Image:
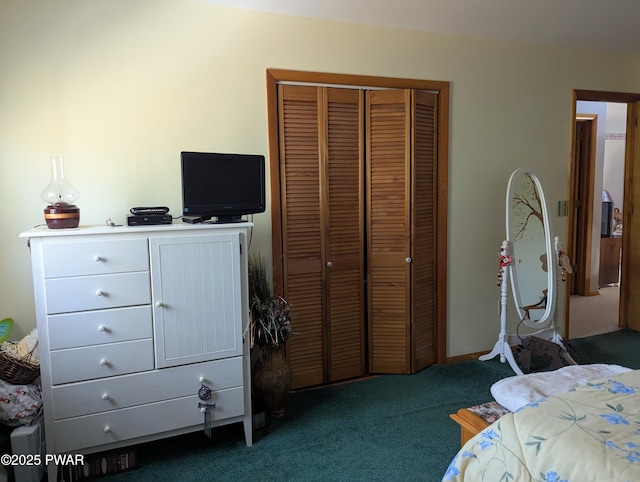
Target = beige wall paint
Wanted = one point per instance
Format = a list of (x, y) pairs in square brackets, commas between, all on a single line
[(120, 87)]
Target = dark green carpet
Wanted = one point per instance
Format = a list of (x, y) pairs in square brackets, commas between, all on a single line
[(620, 347), (393, 427)]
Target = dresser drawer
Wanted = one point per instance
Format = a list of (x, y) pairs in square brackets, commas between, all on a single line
[(97, 327), (154, 418), (76, 399), (83, 293), (79, 258), (77, 364)]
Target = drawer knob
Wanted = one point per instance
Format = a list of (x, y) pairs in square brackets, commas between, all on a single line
[(105, 396), (159, 304), (203, 409), (201, 379), (100, 293), (329, 264), (107, 429), (98, 258), (407, 260), (101, 328), (103, 363)]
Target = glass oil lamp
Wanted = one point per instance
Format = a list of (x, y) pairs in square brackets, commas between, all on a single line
[(60, 196)]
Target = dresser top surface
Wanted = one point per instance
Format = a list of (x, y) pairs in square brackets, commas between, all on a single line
[(44, 231)]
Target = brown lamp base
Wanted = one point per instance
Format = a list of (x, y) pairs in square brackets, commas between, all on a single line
[(62, 215)]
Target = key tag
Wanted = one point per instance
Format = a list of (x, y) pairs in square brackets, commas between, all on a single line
[(204, 394)]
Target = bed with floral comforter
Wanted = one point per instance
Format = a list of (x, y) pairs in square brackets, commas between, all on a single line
[(586, 434)]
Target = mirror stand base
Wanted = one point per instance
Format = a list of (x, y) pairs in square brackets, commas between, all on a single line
[(503, 349)]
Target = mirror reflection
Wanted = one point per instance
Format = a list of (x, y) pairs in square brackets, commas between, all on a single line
[(529, 235)]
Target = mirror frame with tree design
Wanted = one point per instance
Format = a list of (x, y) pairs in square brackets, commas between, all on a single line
[(530, 254), (531, 245)]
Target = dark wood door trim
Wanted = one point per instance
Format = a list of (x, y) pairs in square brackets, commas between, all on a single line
[(629, 283), (631, 158)]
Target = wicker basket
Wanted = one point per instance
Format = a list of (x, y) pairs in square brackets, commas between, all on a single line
[(18, 371)]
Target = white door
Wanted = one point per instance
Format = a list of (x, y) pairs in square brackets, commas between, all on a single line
[(196, 296)]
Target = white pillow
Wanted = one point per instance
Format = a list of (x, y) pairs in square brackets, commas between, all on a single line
[(519, 390)]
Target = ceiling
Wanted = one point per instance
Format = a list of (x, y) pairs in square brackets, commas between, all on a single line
[(610, 25)]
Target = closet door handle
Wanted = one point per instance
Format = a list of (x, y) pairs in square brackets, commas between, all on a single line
[(329, 264), (408, 260)]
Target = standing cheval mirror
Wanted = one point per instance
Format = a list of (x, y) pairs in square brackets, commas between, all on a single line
[(529, 256), (533, 270)]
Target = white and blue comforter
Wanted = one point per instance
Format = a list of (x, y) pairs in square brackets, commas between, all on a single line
[(586, 434)]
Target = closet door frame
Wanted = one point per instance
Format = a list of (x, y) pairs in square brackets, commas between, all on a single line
[(276, 76)]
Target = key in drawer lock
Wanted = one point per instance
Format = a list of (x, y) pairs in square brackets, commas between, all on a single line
[(204, 394)]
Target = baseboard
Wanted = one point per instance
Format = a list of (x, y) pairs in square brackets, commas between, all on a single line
[(467, 357)]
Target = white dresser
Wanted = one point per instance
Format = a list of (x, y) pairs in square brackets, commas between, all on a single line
[(132, 322)]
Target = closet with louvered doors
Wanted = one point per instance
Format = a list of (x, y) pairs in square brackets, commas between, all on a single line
[(358, 177), (322, 212), (401, 235)]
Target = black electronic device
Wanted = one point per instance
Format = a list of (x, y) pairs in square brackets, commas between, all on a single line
[(606, 223), (222, 186), (149, 220), (193, 219), (145, 211)]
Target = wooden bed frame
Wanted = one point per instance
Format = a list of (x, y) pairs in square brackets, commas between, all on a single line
[(470, 424), (475, 419)]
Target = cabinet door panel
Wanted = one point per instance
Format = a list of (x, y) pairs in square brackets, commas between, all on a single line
[(196, 298)]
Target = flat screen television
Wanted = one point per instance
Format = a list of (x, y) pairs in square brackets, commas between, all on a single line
[(606, 226), (221, 186)]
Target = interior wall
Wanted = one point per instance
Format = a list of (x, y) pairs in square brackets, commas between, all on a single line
[(614, 152), (120, 87)]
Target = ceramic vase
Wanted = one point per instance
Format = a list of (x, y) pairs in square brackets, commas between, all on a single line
[(272, 379)]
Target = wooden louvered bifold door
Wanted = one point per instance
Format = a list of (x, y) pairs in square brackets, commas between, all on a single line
[(401, 211), (358, 210), (344, 221), (323, 235), (423, 233), (302, 230), (388, 230)]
